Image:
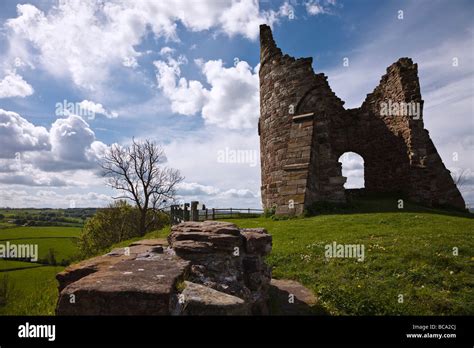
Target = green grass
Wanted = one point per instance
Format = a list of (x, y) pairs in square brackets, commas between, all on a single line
[(39, 232), (163, 233), (34, 285), (10, 264), (34, 291), (406, 253), (61, 239), (65, 248)]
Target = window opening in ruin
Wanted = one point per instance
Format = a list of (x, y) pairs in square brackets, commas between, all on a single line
[(353, 169)]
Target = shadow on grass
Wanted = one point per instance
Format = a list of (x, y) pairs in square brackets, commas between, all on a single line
[(22, 268), (380, 203)]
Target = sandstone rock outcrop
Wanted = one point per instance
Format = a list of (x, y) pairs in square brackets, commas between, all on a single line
[(201, 300), (226, 259), (208, 268)]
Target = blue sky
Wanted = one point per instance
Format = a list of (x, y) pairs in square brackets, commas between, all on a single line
[(184, 73)]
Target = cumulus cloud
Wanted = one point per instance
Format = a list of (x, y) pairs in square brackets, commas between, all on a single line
[(96, 108), (231, 102), (244, 17), (73, 146), (195, 189), (13, 85), (33, 179), (69, 144), (18, 135), (186, 98), (240, 193), (217, 183), (215, 197), (83, 40)]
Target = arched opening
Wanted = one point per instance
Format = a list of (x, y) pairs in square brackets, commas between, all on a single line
[(353, 169)]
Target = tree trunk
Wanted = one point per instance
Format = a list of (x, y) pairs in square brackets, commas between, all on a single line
[(142, 227)]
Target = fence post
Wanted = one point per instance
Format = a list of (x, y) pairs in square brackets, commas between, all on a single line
[(206, 213), (186, 212), (194, 211), (172, 212), (213, 214), (230, 212)]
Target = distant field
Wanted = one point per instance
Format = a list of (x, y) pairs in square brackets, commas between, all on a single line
[(33, 286), (10, 265), (73, 217), (60, 239), (39, 232)]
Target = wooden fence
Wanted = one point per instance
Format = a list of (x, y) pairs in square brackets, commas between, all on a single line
[(192, 212)]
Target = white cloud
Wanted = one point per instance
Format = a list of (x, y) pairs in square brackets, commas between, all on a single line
[(13, 85), (352, 169), (195, 189), (73, 146), (286, 10), (69, 144), (186, 98), (231, 102), (97, 108), (165, 51), (243, 17), (84, 40), (17, 135), (317, 7), (212, 196), (52, 199), (30, 176), (217, 184), (240, 193)]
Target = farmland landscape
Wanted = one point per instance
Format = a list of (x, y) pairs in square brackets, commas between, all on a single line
[(408, 252), (30, 288)]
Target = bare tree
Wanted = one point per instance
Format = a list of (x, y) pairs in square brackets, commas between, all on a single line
[(138, 172), (461, 177)]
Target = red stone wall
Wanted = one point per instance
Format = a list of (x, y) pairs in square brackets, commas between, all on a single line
[(304, 129)]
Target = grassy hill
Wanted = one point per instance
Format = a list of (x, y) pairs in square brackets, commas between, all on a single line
[(408, 252)]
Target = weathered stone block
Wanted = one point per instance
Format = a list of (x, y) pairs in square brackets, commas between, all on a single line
[(221, 266), (130, 287), (257, 241), (198, 299)]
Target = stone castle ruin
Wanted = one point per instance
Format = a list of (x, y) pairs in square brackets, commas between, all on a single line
[(304, 129)]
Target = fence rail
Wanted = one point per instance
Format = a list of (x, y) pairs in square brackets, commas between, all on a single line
[(190, 212)]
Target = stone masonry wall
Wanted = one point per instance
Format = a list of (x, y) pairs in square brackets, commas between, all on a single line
[(304, 129)]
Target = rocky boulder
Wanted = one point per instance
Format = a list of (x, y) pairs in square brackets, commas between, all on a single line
[(226, 259), (203, 268)]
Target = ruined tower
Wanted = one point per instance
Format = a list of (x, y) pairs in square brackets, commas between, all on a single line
[(304, 129)]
